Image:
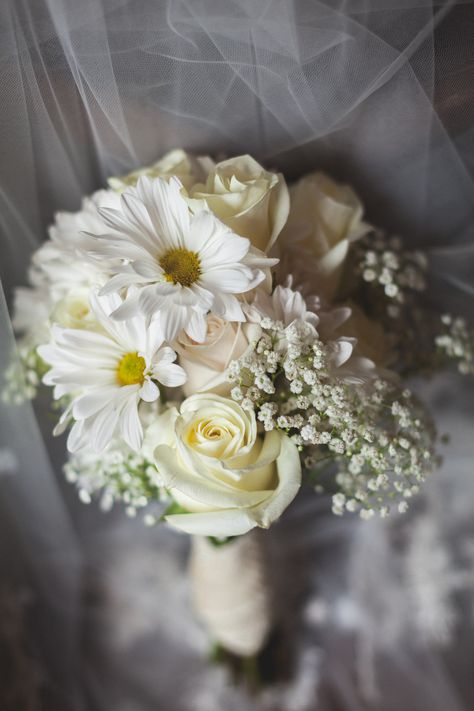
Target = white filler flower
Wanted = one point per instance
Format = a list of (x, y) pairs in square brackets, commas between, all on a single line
[(184, 265), (107, 373)]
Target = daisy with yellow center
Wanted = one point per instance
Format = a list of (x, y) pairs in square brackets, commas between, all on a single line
[(182, 265), (131, 369), (107, 373)]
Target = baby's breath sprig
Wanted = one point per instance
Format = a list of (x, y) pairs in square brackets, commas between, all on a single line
[(396, 457), (400, 274), (456, 343), (120, 475), (382, 264), (23, 376), (381, 439), (389, 288)]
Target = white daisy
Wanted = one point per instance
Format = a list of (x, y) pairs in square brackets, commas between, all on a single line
[(106, 374), (60, 271), (60, 262), (289, 306), (284, 304), (184, 265)]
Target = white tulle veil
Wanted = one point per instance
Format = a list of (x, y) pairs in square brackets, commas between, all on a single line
[(379, 94)]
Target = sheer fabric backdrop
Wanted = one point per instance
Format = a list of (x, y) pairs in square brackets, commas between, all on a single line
[(380, 94)]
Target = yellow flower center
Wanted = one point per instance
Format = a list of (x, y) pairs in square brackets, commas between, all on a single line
[(79, 311), (181, 266), (130, 369)]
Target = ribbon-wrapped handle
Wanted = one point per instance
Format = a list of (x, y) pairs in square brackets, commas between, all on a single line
[(231, 592)]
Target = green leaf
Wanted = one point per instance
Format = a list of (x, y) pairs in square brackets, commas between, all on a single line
[(173, 509), (217, 542)]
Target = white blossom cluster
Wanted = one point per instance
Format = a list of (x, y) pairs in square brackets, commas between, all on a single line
[(381, 261), (379, 439), (457, 343), (119, 474), (22, 377)]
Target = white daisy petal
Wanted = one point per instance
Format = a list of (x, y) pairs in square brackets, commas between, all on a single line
[(120, 281), (205, 297), (227, 307), (76, 439), (63, 422), (155, 338), (90, 403), (130, 426), (196, 328), (342, 351), (148, 270), (137, 214), (172, 213), (152, 299), (149, 392), (163, 204), (170, 374), (122, 223), (257, 260), (215, 241), (234, 280), (104, 426), (165, 355), (173, 320), (84, 378), (259, 276), (112, 246), (127, 309)]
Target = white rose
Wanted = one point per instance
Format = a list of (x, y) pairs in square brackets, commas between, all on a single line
[(215, 466), (177, 162), (251, 201), (325, 217), (74, 311), (206, 363)]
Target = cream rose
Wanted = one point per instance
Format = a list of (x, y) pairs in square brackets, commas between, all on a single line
[(206, 363), (251, 201), (325, 217), (74, 311), (215, 465), (177, 162)]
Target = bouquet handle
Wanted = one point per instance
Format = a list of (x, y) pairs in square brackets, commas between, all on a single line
[(230, 592)]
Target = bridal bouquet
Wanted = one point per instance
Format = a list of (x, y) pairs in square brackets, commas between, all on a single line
[(213, 338)]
